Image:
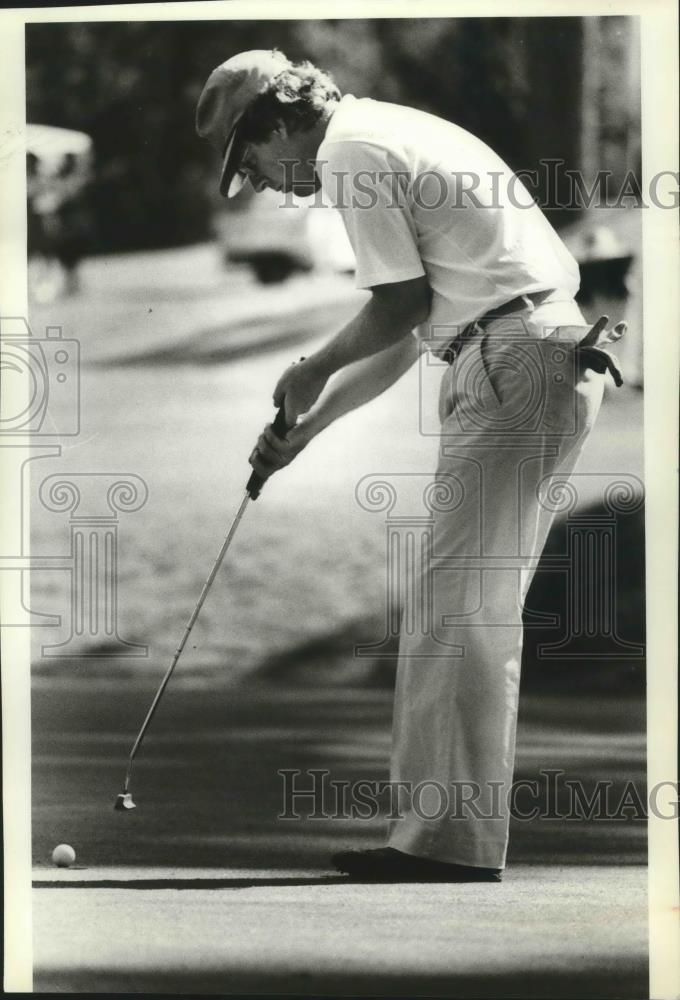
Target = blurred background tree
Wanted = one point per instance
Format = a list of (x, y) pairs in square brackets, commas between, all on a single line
[(133, 86)]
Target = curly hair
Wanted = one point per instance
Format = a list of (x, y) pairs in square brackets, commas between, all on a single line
[(297, 98)]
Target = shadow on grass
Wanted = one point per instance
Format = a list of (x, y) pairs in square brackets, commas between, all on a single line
[(209, 778), (210, 793), (627, 981), (605, 656), (189, 883)]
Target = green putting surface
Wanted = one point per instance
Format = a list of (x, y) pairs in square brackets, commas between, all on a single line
[(202, 889), (545, 931)]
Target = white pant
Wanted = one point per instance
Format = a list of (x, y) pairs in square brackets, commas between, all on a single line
[(515, 409)]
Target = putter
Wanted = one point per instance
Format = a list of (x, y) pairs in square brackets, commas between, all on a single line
[(253, 487)]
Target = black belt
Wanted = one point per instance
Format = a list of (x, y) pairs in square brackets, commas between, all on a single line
[(593, 350), (514, 305)]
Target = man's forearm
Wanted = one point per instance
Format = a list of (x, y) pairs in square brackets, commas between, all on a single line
[(359, 383), (378, 326), (387, 318)]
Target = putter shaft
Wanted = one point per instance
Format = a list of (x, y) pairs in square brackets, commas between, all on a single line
[(185, 636), (253, 488)]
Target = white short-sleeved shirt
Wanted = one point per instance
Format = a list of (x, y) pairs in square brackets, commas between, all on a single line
[(421, 196)]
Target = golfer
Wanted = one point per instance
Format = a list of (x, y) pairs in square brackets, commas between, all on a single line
[(460, 261)]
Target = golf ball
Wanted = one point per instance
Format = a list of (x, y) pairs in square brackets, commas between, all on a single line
[(63, 855)]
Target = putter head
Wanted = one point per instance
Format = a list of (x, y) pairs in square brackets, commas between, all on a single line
[(124, 802)]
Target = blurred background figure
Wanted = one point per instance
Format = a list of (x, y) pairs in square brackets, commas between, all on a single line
[(33, 217), (58, 174), (72, 221)]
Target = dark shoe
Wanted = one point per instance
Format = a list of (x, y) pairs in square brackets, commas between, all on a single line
[(385, 864)]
